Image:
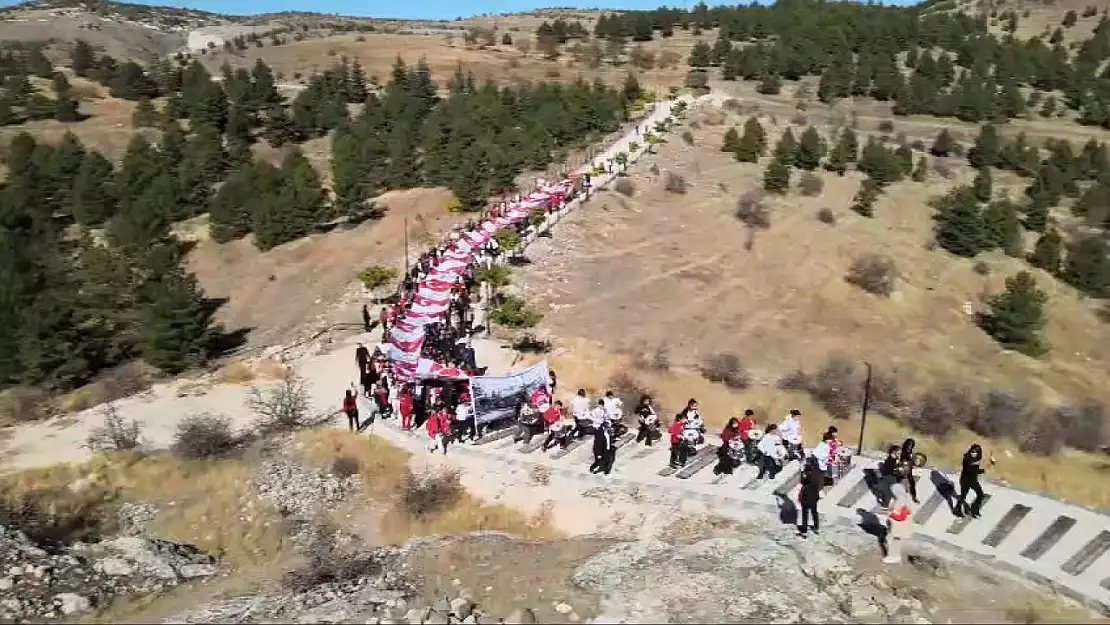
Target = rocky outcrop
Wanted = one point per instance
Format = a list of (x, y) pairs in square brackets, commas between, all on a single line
[(38, 584)]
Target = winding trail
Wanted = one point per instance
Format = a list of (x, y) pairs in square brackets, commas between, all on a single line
[(1048, 541)]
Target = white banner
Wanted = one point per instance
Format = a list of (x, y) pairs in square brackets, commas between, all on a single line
[(493, 398)]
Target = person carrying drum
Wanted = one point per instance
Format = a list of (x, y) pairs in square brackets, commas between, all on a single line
[(648, 421), (773, 453), (791, 432), (731, 451), (906, 465)]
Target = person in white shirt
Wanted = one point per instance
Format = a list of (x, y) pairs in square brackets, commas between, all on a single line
[(580, 406), (694, 422), (791, 431), (614, 406), (770, 447), (599, 415)]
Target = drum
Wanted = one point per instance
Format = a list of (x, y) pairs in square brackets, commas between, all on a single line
[(919, 459), (755, 435), (690, 436)]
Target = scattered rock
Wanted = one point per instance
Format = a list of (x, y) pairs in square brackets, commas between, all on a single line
[(67, 580)]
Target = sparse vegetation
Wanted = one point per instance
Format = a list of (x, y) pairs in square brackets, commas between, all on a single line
[(875, 274), (674, 183), (117, 433), (284, 408), (625, 187), (514, 312), (203, 436), (726, 369)]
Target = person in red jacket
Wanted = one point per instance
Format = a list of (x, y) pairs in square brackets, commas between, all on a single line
[(746, 425), (404, 403), (438, 427), (678, 447), (729, 453)]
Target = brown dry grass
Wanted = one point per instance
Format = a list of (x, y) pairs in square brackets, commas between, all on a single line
[(274, 293), (210, 504), (297, 60), (383, 469)]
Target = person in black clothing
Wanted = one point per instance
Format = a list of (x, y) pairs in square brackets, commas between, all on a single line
[(362, 358), (605, 449), (552, 382), (648, 421), (905, 468), (888, 473), (813, 479), (365, 318), (969, 481)]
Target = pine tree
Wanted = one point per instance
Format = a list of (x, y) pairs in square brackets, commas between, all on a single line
[(1047, 253), (981, 186), (770, 85), (786, 149), (985, 152), (701, 55), (1036, 214), (176, 329), (83, 58), (145, 115), (297, 208), (863, 202), (776, 178), (731, 141), (1002, 228), (904, 157), (943, 144), (810, 151), (93, 197), (1017, 316), (960, 223), (1088, 266), (753, 143)]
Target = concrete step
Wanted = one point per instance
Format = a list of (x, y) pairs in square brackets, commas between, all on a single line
[(700, 463), (1039, 538)]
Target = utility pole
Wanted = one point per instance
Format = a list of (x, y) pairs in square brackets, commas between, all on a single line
[(863, 411), (406, 245)]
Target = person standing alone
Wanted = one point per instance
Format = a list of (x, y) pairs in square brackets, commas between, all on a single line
[(813, 480), (350, 408)]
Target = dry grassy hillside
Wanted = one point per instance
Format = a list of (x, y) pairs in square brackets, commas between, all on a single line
[(664, 276)]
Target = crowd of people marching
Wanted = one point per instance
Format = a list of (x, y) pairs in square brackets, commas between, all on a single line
[(443, 409)]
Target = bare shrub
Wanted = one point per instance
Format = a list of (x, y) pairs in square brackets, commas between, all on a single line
[(958, 150), (629, 389), (116, 434), (1001, 413), (284, 408), (811, 184), (674, 183), (942, 410), (22, 404), (625, 187), (1083, 426), (725, 368), (885, 393), (873, 273), (981, 268), (657, 359), (942, 169), (826, 216), (734, 105), (330, 560), (688, 137), (714, 117), (837, 387), (1043, 436), (752, 211), (345, 466), (424, 495), (796, 380), (204, 436), (886, 126), (654, 169)]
